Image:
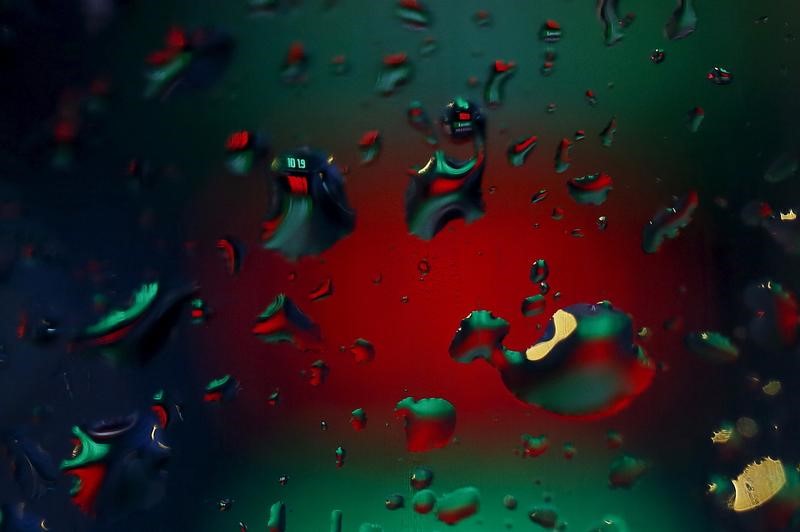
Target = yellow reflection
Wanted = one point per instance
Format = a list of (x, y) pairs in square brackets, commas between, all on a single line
[(721, 436), (773, 387), (564, 324), (757, 484)]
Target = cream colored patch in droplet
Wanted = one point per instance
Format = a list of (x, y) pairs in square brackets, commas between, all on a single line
[(757, 484), (564, 324), (721, 435)]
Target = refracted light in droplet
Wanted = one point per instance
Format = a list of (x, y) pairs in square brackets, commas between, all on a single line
[(533, 305), (562, 158), (317, 374), (757, 484), (394, 501), (457, 505), (694, 118), (590, 189), (657, 56), (712, 346), (667, 223), (569, 450), (418, 119), (510, 502), (539, 271), (723, 435), (550, 31), (370, 146), (396, 71), (423, 501), (429, 422), (362, 351), (358, 419), (719, 76), (625, 471), (585, 347), (546, 516), (499, 73), (520, 149), (308, 209), (607, 135), (283, 321), (533, 446), (612, 29), (541, 195), (323, 290), (683, 21), (421, 477), (414, 14), (772, 388)]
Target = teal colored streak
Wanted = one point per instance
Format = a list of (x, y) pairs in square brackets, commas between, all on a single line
[(142, 300), (90, 451)]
